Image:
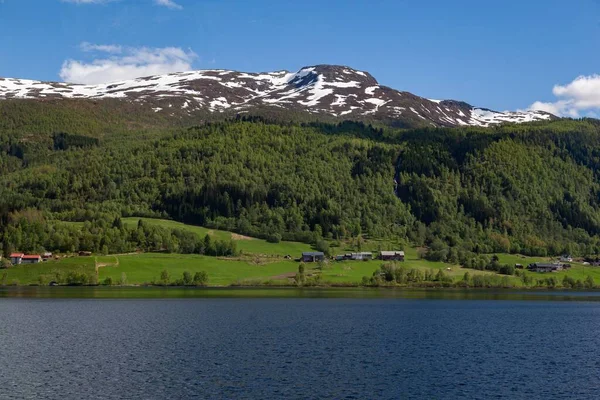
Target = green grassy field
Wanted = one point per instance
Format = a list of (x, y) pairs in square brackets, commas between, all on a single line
[(260, 262), (577, 271), (26, 274), (145, 268), (244, 244)]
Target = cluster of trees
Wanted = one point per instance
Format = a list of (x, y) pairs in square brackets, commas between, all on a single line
[(198, 279), (30, 231), (278, 182), (531, 189), (81, 277), (440, 251), (304, 279), (392, 273)]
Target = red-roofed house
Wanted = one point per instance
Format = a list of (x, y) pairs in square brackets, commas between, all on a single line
[(16, 258), (31, 259)]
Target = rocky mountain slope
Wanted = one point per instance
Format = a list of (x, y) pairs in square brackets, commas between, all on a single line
[(327, 90)]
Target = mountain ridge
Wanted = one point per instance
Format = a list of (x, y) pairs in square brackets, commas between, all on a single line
[(320, 90)]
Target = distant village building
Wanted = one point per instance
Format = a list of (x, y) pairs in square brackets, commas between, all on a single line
[(16, 258), (545, 267), (31, 259), (566, 258), (313, 256), (362, 256), (46, 256), (391, 255)]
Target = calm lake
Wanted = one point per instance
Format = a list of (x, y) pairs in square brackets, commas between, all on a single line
[(290, 344)]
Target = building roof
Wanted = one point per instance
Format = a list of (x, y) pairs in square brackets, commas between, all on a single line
[(545, 265), (392, 253), (313, 253), (32, 257), (16, 255)]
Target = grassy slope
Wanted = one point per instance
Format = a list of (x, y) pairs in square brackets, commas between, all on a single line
[(30, 273), (147, 267), (253, 246), (577, 271)]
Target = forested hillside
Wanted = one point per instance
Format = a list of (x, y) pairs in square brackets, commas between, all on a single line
[(529, 188)]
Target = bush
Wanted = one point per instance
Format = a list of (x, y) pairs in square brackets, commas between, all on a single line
[(200, 278), (187, 278), (76, 278), (321, 245), (507, 269), (274, 238)]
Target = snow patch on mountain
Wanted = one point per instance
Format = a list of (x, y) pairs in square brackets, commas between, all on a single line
[(323, 89)]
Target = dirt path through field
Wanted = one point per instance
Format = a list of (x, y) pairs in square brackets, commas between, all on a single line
[(236, 236), (287, 275), (101, 265)]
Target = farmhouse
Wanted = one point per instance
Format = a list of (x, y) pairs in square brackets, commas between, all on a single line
[(31, 259), (545, 267), (16, 258), (313, 256), (391, 255)]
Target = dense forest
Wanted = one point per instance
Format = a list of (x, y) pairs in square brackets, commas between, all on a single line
[(531, 189)]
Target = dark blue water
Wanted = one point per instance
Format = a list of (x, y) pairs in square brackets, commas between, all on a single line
[(298, 349)]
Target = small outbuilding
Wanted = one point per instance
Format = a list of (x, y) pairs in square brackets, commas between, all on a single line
[(362, 256), (313, 256), (32, 259), (16, 258), (391, 255)]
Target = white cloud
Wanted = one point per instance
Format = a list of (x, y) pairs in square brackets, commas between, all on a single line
[(580, 97), (130, 63), (106, 48), (169, 4)]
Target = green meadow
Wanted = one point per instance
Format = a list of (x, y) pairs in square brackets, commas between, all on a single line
[(260, 262), (578, 270), (244, 244), (27, 274)]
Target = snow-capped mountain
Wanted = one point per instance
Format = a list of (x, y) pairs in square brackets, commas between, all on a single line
[(333, 91)]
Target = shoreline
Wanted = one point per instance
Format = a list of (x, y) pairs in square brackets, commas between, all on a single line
[(289, 292)]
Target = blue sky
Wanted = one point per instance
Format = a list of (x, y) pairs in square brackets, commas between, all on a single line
[(501, 55)]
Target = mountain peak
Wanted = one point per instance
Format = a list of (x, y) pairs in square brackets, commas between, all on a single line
[(330, 90)]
